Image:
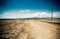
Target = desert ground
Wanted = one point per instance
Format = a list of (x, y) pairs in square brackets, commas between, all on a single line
[(29, 29)]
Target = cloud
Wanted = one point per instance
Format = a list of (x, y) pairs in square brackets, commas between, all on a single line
[(27, 10), (28, 14)]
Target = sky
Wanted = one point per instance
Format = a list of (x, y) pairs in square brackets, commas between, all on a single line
[(28, 8)]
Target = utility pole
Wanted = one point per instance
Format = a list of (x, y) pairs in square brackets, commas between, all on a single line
[(39, 15), (51, 12)]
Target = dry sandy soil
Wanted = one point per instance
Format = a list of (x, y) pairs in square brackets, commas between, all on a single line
[(28, 29)]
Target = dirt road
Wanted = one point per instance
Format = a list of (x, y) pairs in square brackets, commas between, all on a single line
[(32, 29), (41, 30)]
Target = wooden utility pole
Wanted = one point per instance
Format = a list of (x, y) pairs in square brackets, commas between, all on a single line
[(51, 12), (39, 15)]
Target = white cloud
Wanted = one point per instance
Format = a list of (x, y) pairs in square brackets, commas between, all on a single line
[(27, 10), (45, 14), (26, 14), (24, 10)]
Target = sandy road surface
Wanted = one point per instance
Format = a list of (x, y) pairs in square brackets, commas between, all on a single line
[(41, 30), (32, 29)]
